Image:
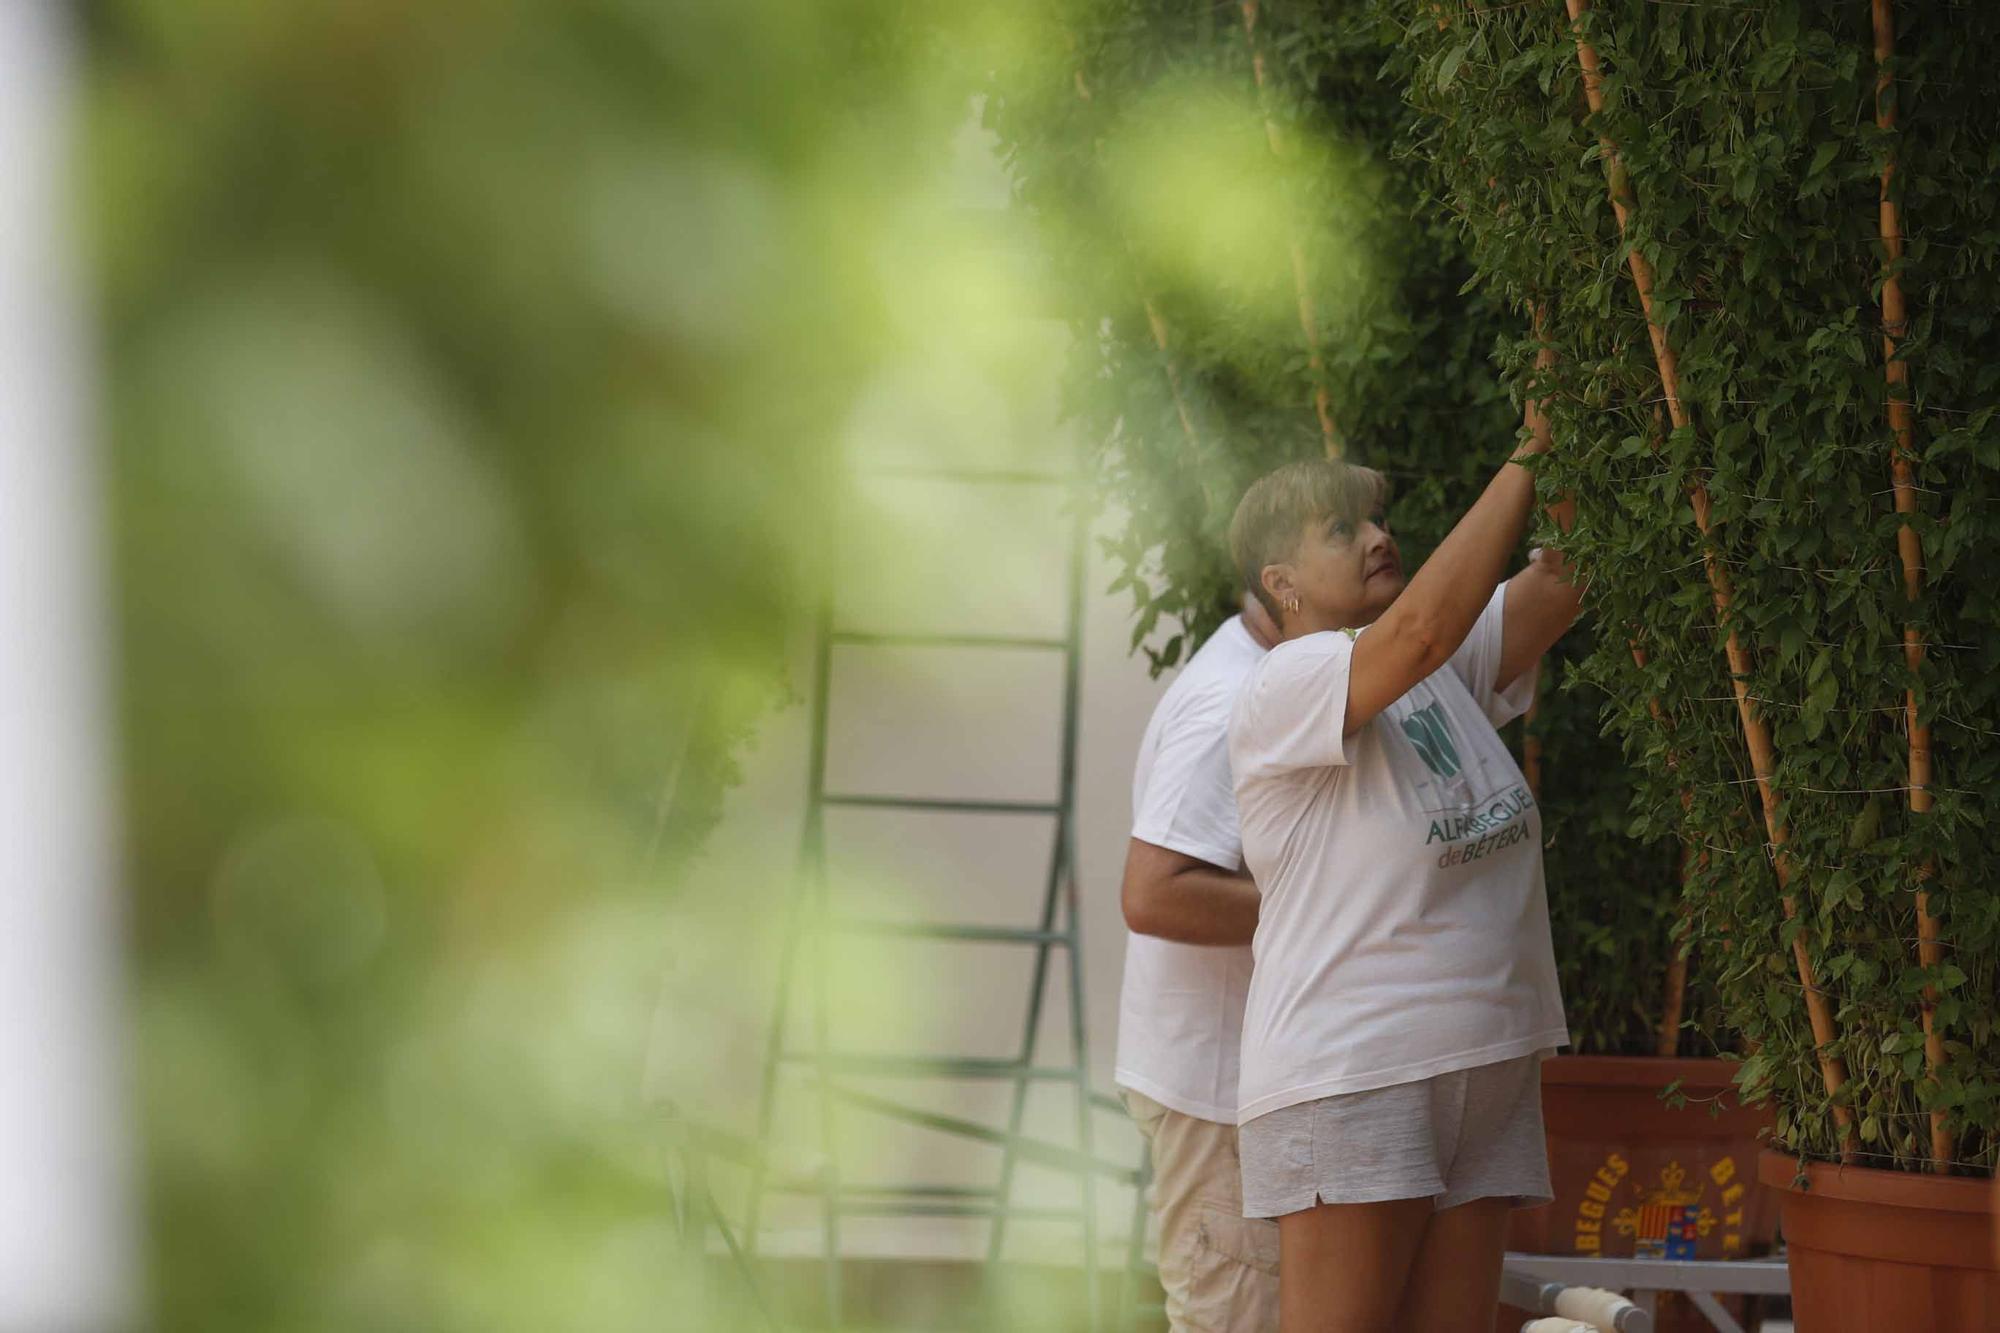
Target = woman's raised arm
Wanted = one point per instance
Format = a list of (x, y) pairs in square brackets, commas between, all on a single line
[(1425, 625)]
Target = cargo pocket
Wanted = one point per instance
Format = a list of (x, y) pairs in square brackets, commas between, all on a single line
[(1232, 1282)]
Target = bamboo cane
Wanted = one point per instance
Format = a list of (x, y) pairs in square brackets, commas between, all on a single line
[(1756, 732), (1322, 400), (1564, 511), (1531, 745), (1896, 372), (1156, 323), (1674, 1000)]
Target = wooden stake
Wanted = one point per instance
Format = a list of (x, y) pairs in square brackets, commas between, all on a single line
[(1301, 284), (1756, 732), (1902, 469)]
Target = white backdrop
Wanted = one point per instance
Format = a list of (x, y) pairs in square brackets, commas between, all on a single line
[(929, 556)]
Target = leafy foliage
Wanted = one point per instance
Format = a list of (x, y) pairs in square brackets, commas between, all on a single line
[(1748, 133), (1408, 345)]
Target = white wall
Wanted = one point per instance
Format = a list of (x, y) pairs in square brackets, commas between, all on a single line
[(977, 723)]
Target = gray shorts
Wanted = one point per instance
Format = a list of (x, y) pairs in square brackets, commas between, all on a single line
[(1473, 1134)]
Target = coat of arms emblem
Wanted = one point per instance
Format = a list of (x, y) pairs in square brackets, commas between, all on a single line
[(1669, 1220)]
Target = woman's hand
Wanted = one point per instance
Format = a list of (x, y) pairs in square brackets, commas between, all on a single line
[(1425, 625), (1543, 601)]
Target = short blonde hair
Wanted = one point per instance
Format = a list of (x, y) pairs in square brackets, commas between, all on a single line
[(1275, 512)]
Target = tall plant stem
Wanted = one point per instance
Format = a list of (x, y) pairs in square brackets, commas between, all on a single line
[(1673, 996), (1756, 732), (1563, 511), (1902, 468), (1322, 400), (1673, 1001), (1156, 323), (1531, 744)]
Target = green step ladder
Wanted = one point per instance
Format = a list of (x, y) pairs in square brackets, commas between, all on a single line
[(826, 1073)]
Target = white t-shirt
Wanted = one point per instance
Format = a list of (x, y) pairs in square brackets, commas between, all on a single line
[(1403, 930), (1180, 1014)]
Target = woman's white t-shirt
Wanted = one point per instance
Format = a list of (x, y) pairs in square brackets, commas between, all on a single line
[(1403, 930)]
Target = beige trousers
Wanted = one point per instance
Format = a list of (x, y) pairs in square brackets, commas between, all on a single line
[(1219, 1268)]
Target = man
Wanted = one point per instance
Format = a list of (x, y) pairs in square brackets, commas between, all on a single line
[(1192, 910)]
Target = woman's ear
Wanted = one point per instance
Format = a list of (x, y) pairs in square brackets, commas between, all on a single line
[(1277, 581)]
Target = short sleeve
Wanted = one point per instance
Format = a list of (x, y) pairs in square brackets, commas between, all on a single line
[(1291, 714), (1189, 802), (1477, 664)]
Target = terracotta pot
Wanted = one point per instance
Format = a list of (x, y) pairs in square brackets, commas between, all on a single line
[(1873, 1249), (1634, 1176)]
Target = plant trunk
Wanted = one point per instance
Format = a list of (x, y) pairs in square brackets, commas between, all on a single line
[(1895, 322), (1301, 286), (1564, 511), (1156, 323), (1531, 745), (1673, 1000), (1756, 733)]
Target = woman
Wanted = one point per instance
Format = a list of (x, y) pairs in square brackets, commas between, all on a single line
[(1404, 985)]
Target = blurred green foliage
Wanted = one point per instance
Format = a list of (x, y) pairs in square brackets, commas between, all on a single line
[(476, 375)]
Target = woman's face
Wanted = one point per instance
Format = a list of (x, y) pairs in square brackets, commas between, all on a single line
[(1343, 576)]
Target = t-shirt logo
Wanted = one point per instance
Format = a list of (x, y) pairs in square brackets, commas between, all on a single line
[(1430, 737)]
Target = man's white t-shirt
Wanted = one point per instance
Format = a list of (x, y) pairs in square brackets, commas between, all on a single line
[(1180, 1013), (1403, 930)]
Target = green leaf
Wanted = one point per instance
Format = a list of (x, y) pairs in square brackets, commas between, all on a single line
[(1448, 67), (1866, 826)]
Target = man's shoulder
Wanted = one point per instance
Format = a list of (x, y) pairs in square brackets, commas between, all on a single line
[(1212, 677)]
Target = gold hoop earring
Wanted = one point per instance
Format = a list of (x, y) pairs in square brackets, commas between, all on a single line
[(1292, 605)]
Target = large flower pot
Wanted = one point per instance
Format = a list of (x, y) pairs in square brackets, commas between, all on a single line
[(1634, 1176), (1876, 1249)]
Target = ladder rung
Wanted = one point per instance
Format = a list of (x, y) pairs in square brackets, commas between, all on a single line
[(867, 1209), (963, 934), (1029, 1149), (930, 1066), (922, 1191), (939, 803), (860, 639)]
